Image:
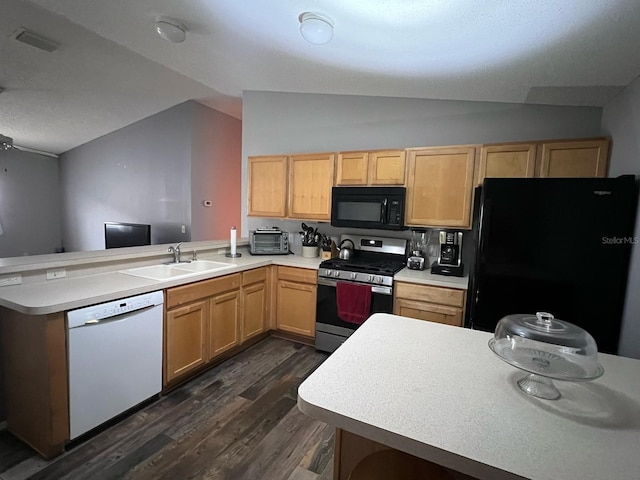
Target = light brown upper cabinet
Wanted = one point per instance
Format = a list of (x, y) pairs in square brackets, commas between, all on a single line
[(507, 161), (440, 186), (267, 186), (586, 158), (384, 167), (310, 182)]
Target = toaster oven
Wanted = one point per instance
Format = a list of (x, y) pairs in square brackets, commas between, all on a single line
[(268, 241)]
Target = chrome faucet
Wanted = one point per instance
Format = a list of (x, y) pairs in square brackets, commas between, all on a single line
[(176, 252)]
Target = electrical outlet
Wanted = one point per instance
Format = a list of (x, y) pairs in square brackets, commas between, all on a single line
[(10, 280), (183, 228), (58, 273)]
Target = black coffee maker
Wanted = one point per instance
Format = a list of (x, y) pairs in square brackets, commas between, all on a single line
[(449, 261)]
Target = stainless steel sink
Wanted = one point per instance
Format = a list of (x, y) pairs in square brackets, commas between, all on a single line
[(177, 270)]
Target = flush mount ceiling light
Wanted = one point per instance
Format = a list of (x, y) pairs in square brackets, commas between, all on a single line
[(316, 28), (171, 30)]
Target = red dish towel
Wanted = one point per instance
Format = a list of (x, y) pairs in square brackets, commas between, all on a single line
[(354, 302)]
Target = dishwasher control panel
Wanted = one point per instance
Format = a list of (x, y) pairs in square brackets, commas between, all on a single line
[(96, 313)]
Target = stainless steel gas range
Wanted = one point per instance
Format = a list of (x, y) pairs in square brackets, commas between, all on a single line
[(349, 291)]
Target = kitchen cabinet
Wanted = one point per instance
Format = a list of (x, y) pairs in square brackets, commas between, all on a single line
[(384, 167), (296, 301), (425, 302), (224, 323), (310, 183), (254, 302), (507, 161), (440, 186), (202, 322), (267, 186), (584, 158), (185, 329)]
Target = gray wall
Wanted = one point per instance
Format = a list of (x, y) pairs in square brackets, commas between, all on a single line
[(140, 174), (29, 204), (216, 172), (274, 123), (621, 120)]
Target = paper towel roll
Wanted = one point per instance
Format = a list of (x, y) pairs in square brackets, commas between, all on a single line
[(233, 240)]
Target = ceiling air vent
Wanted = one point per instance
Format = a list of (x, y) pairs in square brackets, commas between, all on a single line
[(24, 36)]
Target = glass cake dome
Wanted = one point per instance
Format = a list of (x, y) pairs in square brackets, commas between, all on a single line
[(547, 348)]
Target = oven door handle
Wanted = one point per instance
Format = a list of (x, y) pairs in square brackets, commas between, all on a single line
[(383, 290)]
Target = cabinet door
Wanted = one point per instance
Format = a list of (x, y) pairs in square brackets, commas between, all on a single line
[(507, 161), (185, 339), (352, 168), (224, 322), (428, 311), (296, 308), (387, 167), (440, 187), (575, 159), (310, 182), (254, 310), (267, 186)]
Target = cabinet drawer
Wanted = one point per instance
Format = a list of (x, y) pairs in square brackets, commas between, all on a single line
[(425, 293), (303, 275), (254, 276), (195, 291), (429, 312)]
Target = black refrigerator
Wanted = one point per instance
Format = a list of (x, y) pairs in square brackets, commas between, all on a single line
[(553, 245)]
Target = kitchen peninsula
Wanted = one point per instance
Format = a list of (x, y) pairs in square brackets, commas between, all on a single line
[(438, 392)]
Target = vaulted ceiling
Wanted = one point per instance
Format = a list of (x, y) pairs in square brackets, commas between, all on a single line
[(112, 69)]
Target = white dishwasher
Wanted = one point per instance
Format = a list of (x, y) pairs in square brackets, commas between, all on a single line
[(115, 358)]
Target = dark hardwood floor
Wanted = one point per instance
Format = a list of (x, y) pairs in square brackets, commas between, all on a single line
[(236, 421)]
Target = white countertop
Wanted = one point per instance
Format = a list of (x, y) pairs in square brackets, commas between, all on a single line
[(69, 293), (91, 280), (425, 277), (438, 392)]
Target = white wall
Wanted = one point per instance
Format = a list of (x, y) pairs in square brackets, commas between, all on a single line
[(29, 204), (216, 172), (275, 123), (621, 120), (140, 173)]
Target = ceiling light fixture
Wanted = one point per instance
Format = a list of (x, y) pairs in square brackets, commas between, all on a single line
[(171, 30), (316, 28)]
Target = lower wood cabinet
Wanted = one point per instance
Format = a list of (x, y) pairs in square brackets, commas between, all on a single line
[(426, 302), (202, 321), (296, 301), (254, 303), (207, 319), (185, 330), (224, 323)]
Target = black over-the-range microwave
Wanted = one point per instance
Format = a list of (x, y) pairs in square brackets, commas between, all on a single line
[(368, 207)]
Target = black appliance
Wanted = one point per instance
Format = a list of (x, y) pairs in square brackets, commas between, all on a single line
[(374, 262), (555, 245), (449, 260), (118, 234), (381, 208)]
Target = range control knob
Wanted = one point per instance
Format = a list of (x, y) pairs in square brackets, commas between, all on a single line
[(353, 276), (379, 279), (336, 273), (371, 278), (328, 272)]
